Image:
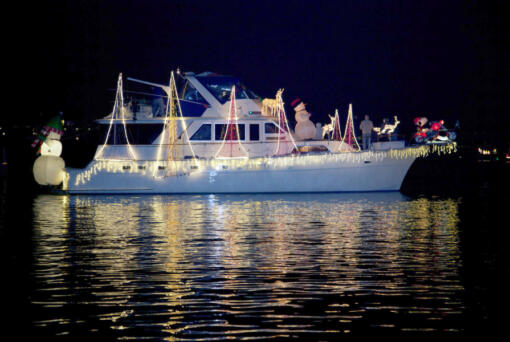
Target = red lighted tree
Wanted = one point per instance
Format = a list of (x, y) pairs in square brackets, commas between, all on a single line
[(337, 132), (231, 146), (350, 136)]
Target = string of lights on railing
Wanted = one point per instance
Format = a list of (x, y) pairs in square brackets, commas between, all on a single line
[(187, 167)]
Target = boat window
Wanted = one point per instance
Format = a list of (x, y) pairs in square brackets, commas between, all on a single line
[(254, 132), (203, 133), (221, 86), (189, 93), (221, 129), (270, 128), (138, 134)]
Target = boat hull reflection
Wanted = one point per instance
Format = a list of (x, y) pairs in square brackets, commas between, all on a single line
[(245, 266)]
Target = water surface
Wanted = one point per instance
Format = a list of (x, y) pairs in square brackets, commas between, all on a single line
[(311, 266)]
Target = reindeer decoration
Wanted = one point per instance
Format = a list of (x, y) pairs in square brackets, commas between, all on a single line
[(328, 128), (387, 129)]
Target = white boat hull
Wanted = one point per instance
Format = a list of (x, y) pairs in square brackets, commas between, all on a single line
[(342, 172)]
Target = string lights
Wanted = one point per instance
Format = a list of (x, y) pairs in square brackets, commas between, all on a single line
[(231, 132), (337, 132), (276, 108), (283, 124), (444, 149), (173, 106), (168, 125), (226, 158), (350, 137), (118, 106), (187, 167)]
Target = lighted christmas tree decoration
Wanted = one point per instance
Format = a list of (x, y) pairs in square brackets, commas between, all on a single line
[(118, 113), (349, 138), (170, 130), (284, 136), (231, 146), (169, 167), (337, 132)]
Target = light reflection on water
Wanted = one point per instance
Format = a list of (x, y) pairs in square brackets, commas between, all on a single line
[(207, 267)]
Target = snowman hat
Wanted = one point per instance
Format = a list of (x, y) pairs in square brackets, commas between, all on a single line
[(298, 105), (53, 127), (296, 102)]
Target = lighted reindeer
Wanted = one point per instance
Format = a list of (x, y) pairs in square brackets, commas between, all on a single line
[(387, 129), (328, 128)]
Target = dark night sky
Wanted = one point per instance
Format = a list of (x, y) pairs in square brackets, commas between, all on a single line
[(441, 59)]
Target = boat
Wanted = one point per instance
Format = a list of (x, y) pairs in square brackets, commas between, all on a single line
[(215, 135)]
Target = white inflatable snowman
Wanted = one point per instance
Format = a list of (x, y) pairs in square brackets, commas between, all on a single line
[(49, 166), (305, 129)]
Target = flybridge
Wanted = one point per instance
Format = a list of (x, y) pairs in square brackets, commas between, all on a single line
[(201, 95), (246, 134)]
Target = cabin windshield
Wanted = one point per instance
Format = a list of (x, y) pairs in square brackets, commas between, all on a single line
[(189, 93), (221, 86)]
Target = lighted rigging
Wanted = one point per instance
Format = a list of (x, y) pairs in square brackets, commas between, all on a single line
[(349, 136), (283, 124), (170, 124), (118, 106), (337, 132), (231, 133)]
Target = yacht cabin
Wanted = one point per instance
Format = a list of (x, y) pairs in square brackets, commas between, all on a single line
[(205, 102)]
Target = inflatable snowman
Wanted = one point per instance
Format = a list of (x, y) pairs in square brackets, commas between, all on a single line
[(305, 129), (49, 166)]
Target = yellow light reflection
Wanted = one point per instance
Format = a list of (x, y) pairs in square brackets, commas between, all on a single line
[(113, 248)]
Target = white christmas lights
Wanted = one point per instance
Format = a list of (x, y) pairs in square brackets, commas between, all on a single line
[(282, 121), (186, 167), (232, 120), (117, 106), (349, 129)]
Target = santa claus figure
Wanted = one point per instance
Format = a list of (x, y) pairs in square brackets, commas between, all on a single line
[(421, 131)]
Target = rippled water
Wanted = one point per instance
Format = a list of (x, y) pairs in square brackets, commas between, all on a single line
[(245, 266)]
